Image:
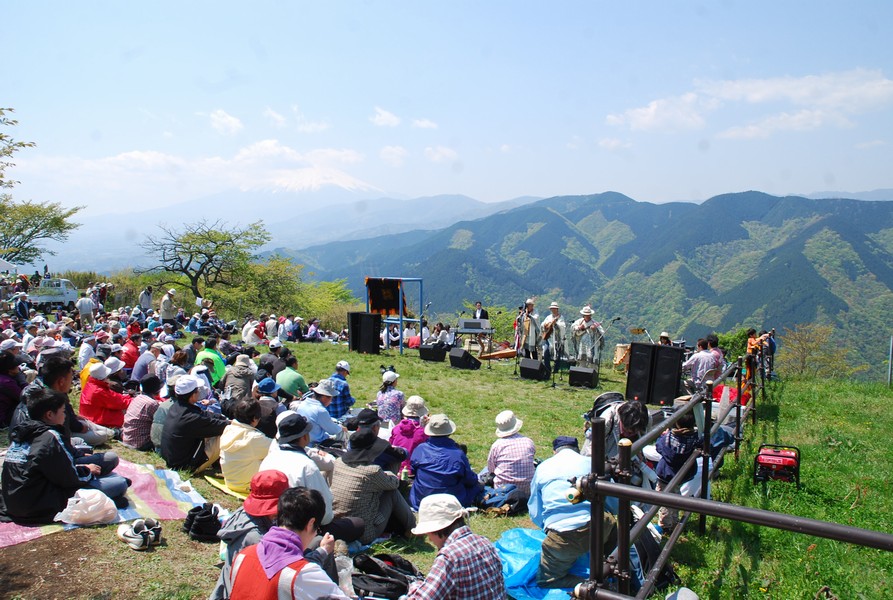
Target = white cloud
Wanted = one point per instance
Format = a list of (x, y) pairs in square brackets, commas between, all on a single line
[(613, 144), (305, 125), (393, 155), (424, 124), (667, 115), (274, 117), (225, 123), (440, 154), (797, 104), (505, 148), (148, 176), (383, 118), (870, 144), (801, 120)]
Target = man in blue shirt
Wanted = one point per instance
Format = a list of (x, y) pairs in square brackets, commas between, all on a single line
[(313, 408), (566, 525), (342, 401)]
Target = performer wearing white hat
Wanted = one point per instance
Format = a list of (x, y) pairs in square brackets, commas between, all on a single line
[(588, 338)]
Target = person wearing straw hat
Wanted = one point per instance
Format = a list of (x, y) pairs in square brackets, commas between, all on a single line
[(441, 466), (511, 456), (588, 337), (247, 526), (554, 333), (664, 339), (528, 330), (467, 565)]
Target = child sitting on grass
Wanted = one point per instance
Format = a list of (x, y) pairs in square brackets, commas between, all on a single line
[(675, 447)]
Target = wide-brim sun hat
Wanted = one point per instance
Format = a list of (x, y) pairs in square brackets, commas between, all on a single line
[(507, 424), (586, 311), (440, 426), (415, 407), (439, 511), (326, 388)]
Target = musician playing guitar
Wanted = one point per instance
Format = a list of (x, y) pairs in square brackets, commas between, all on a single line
[(554, 330), (528, 329)]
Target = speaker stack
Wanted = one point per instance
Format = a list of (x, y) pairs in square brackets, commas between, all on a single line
[(655, 373), (532, 368), (460, 358), (365, 332)]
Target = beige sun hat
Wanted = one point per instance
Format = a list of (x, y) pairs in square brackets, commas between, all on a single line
[(439, 511), (440, 426), (243, 360), (586, 311), (507, 424), (415, 407)]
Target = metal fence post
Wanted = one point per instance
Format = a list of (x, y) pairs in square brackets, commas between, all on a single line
[(597, 505), (705, 452), (623, 517), (738, 409)]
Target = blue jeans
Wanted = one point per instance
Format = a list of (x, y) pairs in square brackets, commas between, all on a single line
[(112, 486)]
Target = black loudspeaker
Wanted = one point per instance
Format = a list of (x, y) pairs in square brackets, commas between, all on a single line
[(638, 378), (666, 375), (654, 373), (432, 353), (365, 332), (583, 377), (532, 368), (461, 359)]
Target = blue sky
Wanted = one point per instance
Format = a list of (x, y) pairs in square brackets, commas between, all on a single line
[(150, 104)]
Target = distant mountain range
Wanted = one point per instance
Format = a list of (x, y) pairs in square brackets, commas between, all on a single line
[(744, 259)]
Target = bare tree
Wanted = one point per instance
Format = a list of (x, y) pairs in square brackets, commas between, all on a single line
[(206, 253)]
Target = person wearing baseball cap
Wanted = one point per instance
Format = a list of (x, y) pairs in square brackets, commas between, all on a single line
[(389, 399), (566, 524), (342, 401), (191, 437), (466, 565), (247, 526)]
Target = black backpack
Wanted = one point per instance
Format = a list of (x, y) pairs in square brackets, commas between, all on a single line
[(383, 575)]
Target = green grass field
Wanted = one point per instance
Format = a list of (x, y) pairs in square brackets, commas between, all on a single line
[(841, 428)]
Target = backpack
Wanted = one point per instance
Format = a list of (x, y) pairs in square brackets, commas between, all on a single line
[(383, 575)]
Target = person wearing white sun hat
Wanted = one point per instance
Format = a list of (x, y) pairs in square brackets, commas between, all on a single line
[(511, 456), (588, 338), (466, 565)]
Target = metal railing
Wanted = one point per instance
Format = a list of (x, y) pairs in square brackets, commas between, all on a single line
[(597, 485)]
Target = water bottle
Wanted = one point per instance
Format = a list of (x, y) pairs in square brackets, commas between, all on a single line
[(344, 565)]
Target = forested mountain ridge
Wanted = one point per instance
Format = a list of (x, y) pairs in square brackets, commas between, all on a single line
[(737, 259)]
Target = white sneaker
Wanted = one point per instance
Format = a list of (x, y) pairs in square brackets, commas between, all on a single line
[(136, 535)]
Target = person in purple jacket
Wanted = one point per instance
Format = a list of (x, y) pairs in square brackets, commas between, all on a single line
[(410, 432)]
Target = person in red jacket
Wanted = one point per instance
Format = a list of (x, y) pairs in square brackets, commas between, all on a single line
[(132, 350), (100, 404)]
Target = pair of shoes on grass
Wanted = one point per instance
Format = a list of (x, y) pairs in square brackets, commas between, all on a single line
[(140, 534), (202, 523)]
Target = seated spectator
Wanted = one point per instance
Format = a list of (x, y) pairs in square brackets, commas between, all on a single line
[(147, 358), (87, 351), (99, 403), (389, 399), (410, 432), (627, 419), (10, 386), (138, 418), (176, 366), (466, 565), (698, 365), (257, 570), (675, 447), (511, 456), (247, 526), (313, 408), (239, 379), (132, 350), (250, 334), (39, 471), (343, 399), (290, 456), (272, 361), (211, 352), (242, 447), (267, 395), (313, 332), (363, 489), (225, 346), (195, 346), (190, 438), (441, 466), (289, 378), (388, 457)]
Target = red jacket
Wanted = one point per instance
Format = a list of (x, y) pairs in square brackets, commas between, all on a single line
[(130, 354), (101, 405)]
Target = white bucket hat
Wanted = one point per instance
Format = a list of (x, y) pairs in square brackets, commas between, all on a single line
[(415, 407), (114, 364), (585, 311), (326, 388), (99, 371), (507, 424), (440, 426), (438, 511), (554, 305)]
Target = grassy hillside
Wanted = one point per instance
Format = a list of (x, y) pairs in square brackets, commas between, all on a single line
[(840, 428)]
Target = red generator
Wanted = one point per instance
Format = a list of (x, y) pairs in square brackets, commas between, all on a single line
[(777, 462)]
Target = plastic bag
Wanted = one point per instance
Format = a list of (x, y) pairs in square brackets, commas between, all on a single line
[(88, 507)]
